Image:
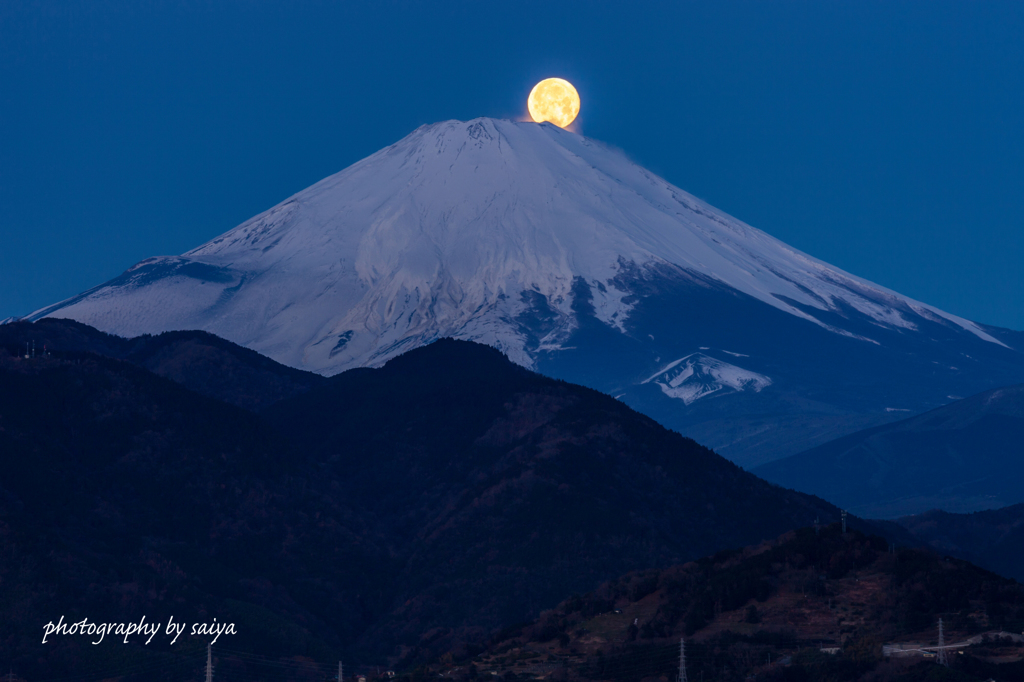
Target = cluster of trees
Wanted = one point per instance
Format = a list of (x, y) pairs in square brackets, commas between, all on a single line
[(918, 587)]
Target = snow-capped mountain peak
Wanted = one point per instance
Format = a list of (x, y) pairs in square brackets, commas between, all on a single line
[(571, 259), (457, 230)]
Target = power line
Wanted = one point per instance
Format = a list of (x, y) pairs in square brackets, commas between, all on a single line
[(137, 668)]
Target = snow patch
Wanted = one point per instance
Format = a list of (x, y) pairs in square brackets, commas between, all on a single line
[(698, 375), (609, 306)]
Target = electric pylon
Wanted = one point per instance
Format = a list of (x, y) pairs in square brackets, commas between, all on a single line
[(682, 660), (941, 659)]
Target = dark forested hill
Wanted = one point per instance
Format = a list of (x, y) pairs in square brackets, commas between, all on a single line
[(993, 539), (384, 514), (198, 360), (962, 457), (811, 605), (125, 495), (510, 490)]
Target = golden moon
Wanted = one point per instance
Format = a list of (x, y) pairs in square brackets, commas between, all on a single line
[(555, 100)]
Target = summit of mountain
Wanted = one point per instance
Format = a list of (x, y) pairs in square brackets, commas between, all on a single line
[(573, 261)]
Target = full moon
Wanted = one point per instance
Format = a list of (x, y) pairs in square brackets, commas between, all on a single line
[(555, 100)]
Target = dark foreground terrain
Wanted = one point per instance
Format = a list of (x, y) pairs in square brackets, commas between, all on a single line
[(389, 515), (962, 457), (815, 604), (993, 539)]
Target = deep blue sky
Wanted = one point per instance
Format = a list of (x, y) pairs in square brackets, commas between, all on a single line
[(882, 137)]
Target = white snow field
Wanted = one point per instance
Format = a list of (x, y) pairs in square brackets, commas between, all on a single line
[(441, 234), (576, 262)]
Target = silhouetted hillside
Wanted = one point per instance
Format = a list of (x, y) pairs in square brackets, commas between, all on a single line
[(965, 456), (811, 605), (511, 490), (992, 539), (198, 360), (388, 514), (124, 494)]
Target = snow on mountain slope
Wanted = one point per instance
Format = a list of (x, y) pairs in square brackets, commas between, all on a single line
[(699, 375), (451, 232), (571, 259)]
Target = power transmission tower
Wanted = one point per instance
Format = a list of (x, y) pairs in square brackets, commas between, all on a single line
[(209, 663), (682, 660), (941, 659)]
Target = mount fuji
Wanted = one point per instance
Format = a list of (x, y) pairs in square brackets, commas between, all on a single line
[(574, 261)]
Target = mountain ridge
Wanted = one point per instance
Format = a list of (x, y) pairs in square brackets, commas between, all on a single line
[(814, 604), (195, 359), (392, 513), (992, 539), (961, 457), (556, 249), (779, 273)]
